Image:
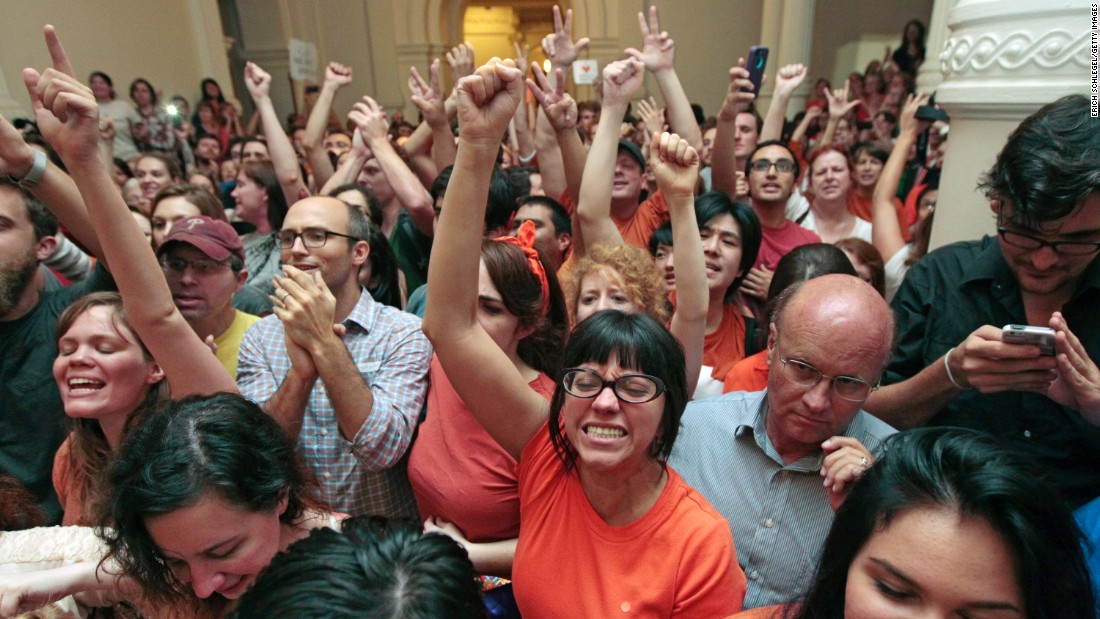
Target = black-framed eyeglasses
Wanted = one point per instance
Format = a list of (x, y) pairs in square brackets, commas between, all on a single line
[(781, 165), (850, 388), (312, 238), (630, 388), (200, 266), (1019, 239)]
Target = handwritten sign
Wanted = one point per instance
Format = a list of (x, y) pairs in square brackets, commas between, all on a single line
[(585, 71), (303, 61)]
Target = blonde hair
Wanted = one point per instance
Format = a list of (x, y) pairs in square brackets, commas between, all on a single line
[(632, 267)]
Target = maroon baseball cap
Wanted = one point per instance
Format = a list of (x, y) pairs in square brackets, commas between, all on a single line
[(217, 239)]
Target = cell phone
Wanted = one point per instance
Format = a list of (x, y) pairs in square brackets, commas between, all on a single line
[(931, 113), (758, 59), (1043, 337)]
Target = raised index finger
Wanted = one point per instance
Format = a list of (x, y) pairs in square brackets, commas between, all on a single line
[(57, 52)]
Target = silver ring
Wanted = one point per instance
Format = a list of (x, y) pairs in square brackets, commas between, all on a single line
[(287, 294), (863, 461)]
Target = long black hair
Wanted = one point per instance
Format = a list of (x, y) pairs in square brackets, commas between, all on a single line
[(374, 567), (971, 473)]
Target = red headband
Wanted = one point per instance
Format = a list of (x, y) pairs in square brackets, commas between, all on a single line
[(525, 240)]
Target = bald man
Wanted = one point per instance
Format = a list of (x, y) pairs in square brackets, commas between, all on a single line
[(776, 463), (344, 375)]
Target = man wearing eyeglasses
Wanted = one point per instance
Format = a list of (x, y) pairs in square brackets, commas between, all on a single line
[(776, 463), (203, 261), (772, 173), (951, 367), (344, 375)]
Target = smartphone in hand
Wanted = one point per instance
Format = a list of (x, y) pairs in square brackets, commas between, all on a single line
[(1043, 337), (756, 62)]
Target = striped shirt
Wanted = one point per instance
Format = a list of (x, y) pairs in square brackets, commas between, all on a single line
[(367, 474), (779, 514)]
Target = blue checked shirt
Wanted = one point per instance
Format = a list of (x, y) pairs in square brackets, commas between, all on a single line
[(779, 513), (367, 474)]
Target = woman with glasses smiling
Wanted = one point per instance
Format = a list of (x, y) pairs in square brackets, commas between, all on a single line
[(603, 517)]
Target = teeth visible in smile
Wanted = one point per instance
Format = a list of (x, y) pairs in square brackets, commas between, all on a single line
[(85, 383), (598, 432)]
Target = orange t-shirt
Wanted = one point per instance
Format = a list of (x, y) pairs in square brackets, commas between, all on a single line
[(677, 560), (748, 374), (68, 483), (635, 230), (764, 612), (458, 472), (726, 346)]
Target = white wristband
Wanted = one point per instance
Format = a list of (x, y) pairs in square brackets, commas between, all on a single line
[(947, 367), (30, 181)]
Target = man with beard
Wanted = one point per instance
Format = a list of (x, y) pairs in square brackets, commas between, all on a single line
[(31, 414)]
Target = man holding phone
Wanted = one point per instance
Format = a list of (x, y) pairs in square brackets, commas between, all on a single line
[(951, 365)]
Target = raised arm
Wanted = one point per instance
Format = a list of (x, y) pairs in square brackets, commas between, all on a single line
[(488, 382), (723, 159), (787, 80), (621, 79), (559, 47), (283, 158), (55, 189), (428, 98), (349, 170), (885, 228), (525, 139), (676, 166), (406, 186), (839, 106), (188, 363), (336, 77), (560, 117), (657, 54)]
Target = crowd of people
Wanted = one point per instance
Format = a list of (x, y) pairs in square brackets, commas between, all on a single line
[(540, 357)]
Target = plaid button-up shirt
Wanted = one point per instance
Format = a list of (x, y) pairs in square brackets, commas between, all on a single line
[(365, 475)]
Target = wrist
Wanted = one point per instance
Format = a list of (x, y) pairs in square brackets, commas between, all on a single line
[(23, 164)]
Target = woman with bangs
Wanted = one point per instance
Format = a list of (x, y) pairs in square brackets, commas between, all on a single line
[(603, 517)]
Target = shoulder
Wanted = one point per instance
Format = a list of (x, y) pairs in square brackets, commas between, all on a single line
[(264, 329), (728, 409), (870, 430)]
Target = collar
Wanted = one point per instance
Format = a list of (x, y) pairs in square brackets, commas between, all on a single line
[(363, 312), (989, 264), (812, 461)]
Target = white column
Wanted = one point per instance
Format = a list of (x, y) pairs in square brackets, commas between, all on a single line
[(929, 75), (1002, 60), (787, 29)]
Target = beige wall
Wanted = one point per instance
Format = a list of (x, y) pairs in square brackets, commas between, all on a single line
[(171, 44), (850, 33)]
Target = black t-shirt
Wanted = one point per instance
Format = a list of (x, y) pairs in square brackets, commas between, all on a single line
[(32, 418)]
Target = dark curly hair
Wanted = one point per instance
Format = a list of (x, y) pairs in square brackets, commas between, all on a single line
[(1050, 163), (221, 443)]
